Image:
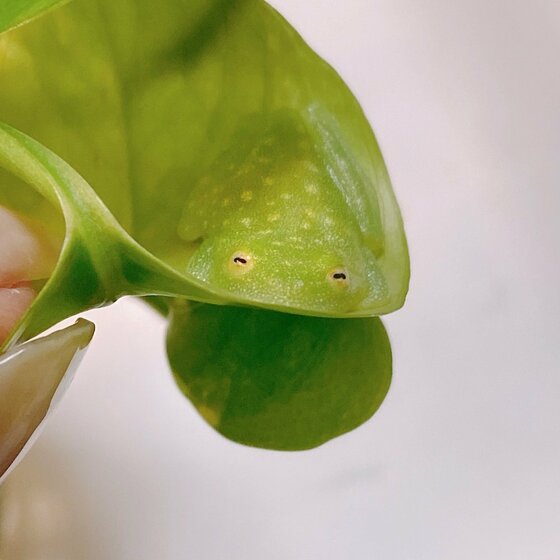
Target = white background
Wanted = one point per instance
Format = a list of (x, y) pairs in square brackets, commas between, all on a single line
[(463, 459)]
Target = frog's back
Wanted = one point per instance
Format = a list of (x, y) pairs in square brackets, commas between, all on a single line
[(272, 165)]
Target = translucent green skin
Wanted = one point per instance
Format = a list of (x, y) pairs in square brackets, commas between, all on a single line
[(269, 201)]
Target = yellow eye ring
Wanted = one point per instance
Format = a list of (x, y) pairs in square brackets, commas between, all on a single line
[(339, 277), (240, 263)]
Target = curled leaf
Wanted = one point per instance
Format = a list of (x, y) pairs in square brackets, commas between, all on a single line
[(209, 128)]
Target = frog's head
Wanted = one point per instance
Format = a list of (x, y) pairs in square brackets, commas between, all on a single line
[(297, 251), (308, 274), (275, 228)]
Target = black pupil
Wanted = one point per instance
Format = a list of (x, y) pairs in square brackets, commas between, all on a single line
[(339, 276), (240, 260)]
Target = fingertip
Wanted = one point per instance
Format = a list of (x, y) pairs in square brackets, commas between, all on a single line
[(14, 302)]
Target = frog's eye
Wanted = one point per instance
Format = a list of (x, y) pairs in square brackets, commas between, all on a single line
[(339, 277), (240, 263)]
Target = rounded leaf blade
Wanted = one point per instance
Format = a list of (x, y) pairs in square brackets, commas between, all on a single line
[(276, 380)]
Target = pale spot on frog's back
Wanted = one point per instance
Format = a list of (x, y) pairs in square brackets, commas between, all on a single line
[(22, 258), (246, 196), (273, 217), (311, 188), (247, 222), (299, 284)]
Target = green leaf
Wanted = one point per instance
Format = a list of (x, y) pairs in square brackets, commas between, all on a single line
[(212, 131), (276, 380), (33, 377), (230, 164), (16, 12)]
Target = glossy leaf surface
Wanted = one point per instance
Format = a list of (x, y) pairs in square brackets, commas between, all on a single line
[(32, 379), (276, 380)]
